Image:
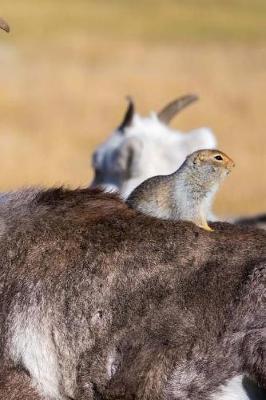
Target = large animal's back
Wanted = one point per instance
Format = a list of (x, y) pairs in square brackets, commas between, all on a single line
[(83, 220), (81, 266), (75, 238)]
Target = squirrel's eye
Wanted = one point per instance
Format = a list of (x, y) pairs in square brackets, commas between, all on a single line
[(219, 158)]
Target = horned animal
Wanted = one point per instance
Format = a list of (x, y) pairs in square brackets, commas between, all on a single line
[(99, 300), (141, 148), (144, 147)]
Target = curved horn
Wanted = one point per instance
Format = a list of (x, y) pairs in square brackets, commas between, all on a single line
[(4, 25), (175, 106), (127, 121)]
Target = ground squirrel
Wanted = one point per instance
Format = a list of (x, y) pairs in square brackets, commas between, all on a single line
[(186, 194)]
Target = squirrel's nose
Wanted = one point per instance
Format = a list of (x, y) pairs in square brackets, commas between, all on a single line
[(230, 164)]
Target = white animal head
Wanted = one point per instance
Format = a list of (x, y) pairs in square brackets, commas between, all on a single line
[(142, 147)]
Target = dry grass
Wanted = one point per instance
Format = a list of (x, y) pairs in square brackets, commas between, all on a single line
[(67, 66)]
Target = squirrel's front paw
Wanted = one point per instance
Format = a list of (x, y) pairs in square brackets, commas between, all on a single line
[(206, 228)]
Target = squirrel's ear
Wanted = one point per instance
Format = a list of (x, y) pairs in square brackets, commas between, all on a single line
[(197, 160), (129, 156)]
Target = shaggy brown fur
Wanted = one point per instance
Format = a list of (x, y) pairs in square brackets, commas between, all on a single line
[(16, 384), (124, 304)]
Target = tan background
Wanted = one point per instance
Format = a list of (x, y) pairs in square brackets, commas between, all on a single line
[(67, 65)]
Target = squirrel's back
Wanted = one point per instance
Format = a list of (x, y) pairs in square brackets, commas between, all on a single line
[(152, 197)]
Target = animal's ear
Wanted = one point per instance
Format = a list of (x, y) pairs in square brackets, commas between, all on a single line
[(128, 117), (197, 160), (4, 25), (129, 156)]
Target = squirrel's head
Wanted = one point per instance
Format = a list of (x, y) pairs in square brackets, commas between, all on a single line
[(211, 163)]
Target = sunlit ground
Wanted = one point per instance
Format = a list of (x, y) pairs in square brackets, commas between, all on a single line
[(66, 67)]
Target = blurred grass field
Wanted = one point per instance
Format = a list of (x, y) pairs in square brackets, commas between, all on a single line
[(66, 67)]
